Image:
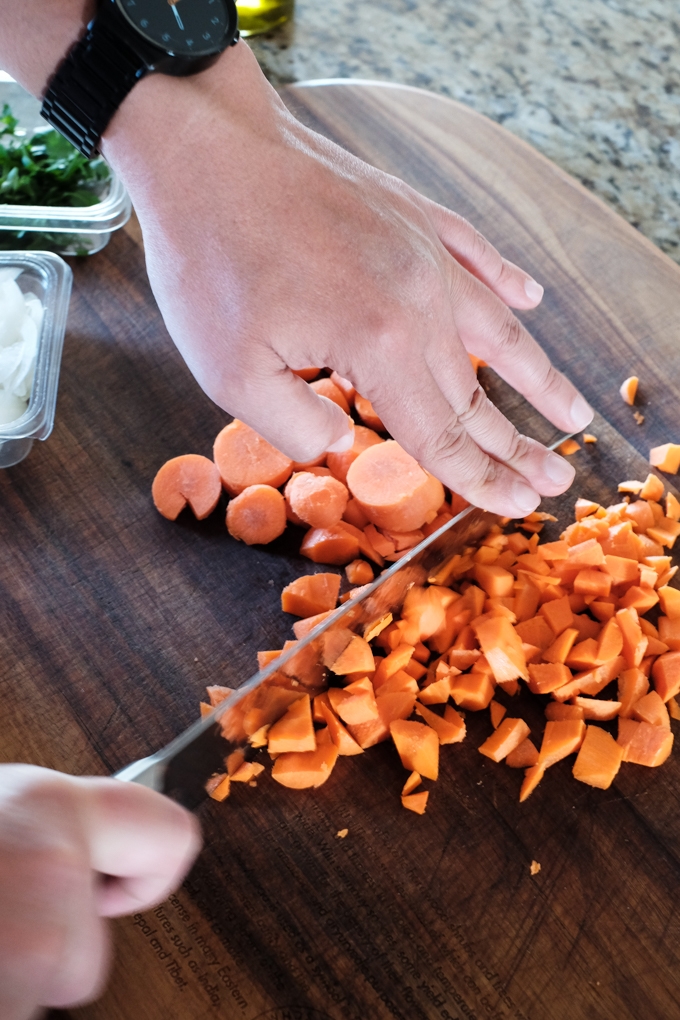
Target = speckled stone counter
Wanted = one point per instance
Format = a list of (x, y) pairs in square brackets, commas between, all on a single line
[(592, 84)]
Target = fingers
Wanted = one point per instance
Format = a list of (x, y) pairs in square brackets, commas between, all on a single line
[(145, 841), (493, 333), (471, 249)]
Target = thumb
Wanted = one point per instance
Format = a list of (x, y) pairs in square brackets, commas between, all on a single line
[(293, 417)]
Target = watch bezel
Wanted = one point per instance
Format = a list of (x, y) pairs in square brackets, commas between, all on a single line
[(167, 56)]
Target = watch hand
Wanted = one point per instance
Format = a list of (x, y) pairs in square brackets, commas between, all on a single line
[(177, 17)]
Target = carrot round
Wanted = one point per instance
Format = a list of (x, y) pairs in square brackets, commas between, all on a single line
[(244, 458), (318, 500), (339, 463), (188, 479), (364, 409), (257, 515), (327, 388), (359, 572), (392, 489)]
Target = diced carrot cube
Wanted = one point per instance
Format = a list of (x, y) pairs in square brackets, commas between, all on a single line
[(669, 632), (547, 677), (509, 735), (561, 739), (300, 770), (416, 802), (609, 642), (652, 488), (343, 740), (294, 731), (450, 728), (666, 675), (632, 685), (411, 783), (634, 641), (560, 649), (556, 712), (641, 599), (536, 631), (670, 601), (651, 709), (524, 755), (644, 744), (497, 712), (502, 647), (418, 747), (665, 458), (532, 778), (558, 613), (592, 582), (598, 760), (597, 709), (472, 691)]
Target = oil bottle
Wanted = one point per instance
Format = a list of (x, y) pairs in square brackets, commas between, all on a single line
[(256, 16)]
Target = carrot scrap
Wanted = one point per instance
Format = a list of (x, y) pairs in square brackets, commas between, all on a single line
[(257, 515), (666, 457), (534, 868), (568, 447), (189, 479), (599, 759), (588, 437), (311, 594), (628, 389), (317, 500), (416, 802), (509, 735)]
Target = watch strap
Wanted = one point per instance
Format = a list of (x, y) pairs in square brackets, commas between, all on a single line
[(91, 83)]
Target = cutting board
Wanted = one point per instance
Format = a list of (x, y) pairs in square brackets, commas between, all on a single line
[(115, 619)]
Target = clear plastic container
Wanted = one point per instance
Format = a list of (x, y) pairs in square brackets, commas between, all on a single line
[(67, 230), (49, 278)]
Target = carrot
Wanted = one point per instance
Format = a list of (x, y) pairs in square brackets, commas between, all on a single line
[(532, 777), (300, 770), (189, 479), (416, 802), (472, 691), (413, 781), (345, 386), (497, 712), (557, 712), (547, 677), (509, 735), (306, 373), (311, 594), (568, 447), (294, 731), (628, 389), (524, 755), (670, 601), (218, 787), (257, 515), (332, 545), (345, 652), (666, 457), (597, 709), (244, 458), (599, 759), (359, 572), (643, 743), (560, 739), (355, 515), (355, 704), (666, 675), (364, 409), (339, 463), (317, 500), (392, 489), (327, 388), (652, 488), (418, 747), (502, 647), (652, 709), (450, 728)]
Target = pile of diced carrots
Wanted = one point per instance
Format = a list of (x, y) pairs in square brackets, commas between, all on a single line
[(566, 618), (372, 501)]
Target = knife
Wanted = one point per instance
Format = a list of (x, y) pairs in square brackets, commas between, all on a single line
[(182, 768)]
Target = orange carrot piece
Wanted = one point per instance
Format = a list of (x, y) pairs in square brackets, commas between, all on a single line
[(597, 709), (666, 675), (359, 572), (666, 457), (463, 658), (497, 712), (560, 649), (532, 777), (247, 771), (393, 662), (494, 579), (509, 735), (244, 458), (334, 546), (584, 508), (609, 642), (560, 739), (311, 595), (318, 500), (557, 712), (640, 513), (592, 582), (632, 685), (413, 781), (300, 770), (669, 632), (628, 389), (586, 554), (588, 437), (559, 614), (218, 787), (524, 755), (502, 647), (327, 388), (364, 409), (641, 599), (598, 760), (634, 641), (670, 601), (189, 479), (536, 631), (644, 744), (257, 515), (472, 691), (652, 488), (355, 515), (294, 731), (547, 677), (568, 447), (450, 728), (339, 463), (673, 709), (416, 802), (418, 747), (307, 374), (436, 693), (392, 489), (651, 709), (400, 681), (345, 743)]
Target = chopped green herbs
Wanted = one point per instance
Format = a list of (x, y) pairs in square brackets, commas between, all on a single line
[(45, 169)]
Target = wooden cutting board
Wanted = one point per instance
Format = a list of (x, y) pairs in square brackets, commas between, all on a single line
[(115, 619)]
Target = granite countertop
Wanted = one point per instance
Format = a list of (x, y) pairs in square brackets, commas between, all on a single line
[(592, 84)]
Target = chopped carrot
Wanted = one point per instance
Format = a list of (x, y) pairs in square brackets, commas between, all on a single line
[(359, 572), (632, 685), (436, 693), (364, 409), (532, 777), (673, 708), (561, 739), (547, 677), (218, 787), (666, 675), (294, 731), (345, 652), (652, 488), (189, 479), (472, 691), (643, 743), (306, 373), (509, 735), (497, 712), (413, 781), (597, 708), (652, 709), (555, 711), (628, 389), (257, 515), (416, 802), (311, 594), (345, 386), (502, 647), (355, 515), (302, 769), (588, 437), (418, 747), (333, 545), (327, 388), (317, 500), (450, 728), (392, 488), (524, 755), (568, 447), (398, 705), (244, 458), (339, 463), (599, 759), (666, 457), (343, 740)]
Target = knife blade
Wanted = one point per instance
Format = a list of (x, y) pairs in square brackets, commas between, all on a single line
[(182, 768)]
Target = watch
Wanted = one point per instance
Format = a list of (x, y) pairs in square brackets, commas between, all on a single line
[(125, 41)]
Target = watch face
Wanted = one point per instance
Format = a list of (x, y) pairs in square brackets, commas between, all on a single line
[(185, 27)]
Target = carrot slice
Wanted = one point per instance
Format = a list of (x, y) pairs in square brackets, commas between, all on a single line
[(300, 770), (497, 712), (318, 500), (651, 709), (364, 409), (509, 735), (311, 595), (644, 744), (418, 747), (628, 389), (257, 515), (359, 572), (632, 685), (666, 457), (392, 489), (561, 739), (345, 743), (532, 777), (244, 458), (666, 675), (189, 479), (597, 708), (450, 728), (599, 759), (413, 781), (294, 731), (416, 802), (327, 388), (334, 546)]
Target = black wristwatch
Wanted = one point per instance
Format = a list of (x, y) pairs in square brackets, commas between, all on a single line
[(126, 40)]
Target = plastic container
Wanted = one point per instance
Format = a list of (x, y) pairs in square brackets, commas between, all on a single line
[(67, 230), (49, 278)]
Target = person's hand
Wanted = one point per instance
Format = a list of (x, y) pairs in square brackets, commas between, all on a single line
[(269, 248), (74, 851)]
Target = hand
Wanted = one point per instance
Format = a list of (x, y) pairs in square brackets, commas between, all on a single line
[(58, 837), (270, 248)]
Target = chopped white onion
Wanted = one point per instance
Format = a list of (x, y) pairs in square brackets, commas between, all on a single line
[(20, 320)]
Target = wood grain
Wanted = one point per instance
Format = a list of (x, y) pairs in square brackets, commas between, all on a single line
[(114, 619)]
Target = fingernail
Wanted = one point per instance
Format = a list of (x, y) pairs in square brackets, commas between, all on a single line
[(581, 413), (534, 291), (343, 444), (524, 497), (558, 470)]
